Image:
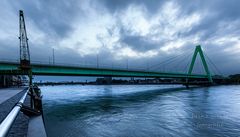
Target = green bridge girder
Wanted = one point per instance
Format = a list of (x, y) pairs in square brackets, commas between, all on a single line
[(7, 68)]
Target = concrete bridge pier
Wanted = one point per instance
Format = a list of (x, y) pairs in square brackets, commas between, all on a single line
[(6, 81)]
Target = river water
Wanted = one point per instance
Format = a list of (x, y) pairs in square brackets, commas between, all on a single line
[(141, 111)]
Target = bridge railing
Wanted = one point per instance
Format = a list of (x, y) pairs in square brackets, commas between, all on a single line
[(8, 121), (92, 65), (84, 65)]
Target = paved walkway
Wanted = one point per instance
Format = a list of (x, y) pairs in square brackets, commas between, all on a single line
[(23, 126), (7, 93), (8, 98), (36, 127)]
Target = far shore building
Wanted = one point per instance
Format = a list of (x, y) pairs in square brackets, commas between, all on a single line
[(8, 81)]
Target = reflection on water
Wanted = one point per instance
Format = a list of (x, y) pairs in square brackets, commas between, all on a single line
[(141, 111)]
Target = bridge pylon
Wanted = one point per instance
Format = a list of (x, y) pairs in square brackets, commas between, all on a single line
[(198, 49)]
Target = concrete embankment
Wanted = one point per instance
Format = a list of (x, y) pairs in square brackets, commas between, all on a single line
[(23, 125), (9, 97)]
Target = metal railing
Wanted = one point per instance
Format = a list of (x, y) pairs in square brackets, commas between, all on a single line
[(8, 121)]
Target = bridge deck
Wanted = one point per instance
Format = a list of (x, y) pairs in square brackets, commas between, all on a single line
[(59, 70)]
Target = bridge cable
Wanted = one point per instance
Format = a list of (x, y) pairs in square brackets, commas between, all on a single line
[(213, 65), (181, 62), (169, 59)]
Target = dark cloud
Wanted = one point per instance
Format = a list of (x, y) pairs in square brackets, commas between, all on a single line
[(6, 49), (115, 5), (219, 19), (215, 13), (139, 43), (53, 17)]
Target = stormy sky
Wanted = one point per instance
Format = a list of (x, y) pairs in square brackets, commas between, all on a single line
[(137, 34)]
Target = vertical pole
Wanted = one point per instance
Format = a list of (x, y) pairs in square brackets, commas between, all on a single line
[(53, 57), (4, 81), (30, 78), (20, 42), (97, 62), (31, 88), (147, 65), (127, 63)]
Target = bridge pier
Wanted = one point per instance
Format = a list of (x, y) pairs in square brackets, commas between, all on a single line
[(4, 81), (187, 86)]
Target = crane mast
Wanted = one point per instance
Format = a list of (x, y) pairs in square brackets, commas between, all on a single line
[(24, 49)]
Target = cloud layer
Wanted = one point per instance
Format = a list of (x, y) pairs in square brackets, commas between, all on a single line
[(140, 32)]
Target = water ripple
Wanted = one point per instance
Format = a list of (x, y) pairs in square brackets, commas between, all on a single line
[(141, 111)]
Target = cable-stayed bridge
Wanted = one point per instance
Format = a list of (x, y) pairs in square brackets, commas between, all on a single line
[(25, 67), (16, 68)]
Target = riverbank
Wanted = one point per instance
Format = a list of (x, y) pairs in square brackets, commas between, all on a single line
[(9, 97), (23, 126)]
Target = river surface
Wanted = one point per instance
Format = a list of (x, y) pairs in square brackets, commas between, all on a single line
[(141, 111)]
